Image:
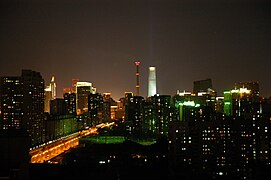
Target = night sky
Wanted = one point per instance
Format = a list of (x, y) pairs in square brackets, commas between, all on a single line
[(98, 41)]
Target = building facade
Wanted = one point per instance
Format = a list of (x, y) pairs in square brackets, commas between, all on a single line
[(22, 104)]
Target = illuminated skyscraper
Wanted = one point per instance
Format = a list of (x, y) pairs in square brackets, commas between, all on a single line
[(239, 102), (83, 89), (53, 87), (49, 94), (47, 99), (152, 82), (251, 85), (137, 77)]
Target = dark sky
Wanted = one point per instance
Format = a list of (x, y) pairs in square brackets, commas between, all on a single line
[(98, 41)]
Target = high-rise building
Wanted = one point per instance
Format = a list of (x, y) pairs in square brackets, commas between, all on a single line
[(128, 99), (238, 102), (58, 107), (134, 109), (47, 98), (33, 108), (149, 119), (152, 82), (202, 85), (137, 77), (11, 99), (253, 86), (22, 104), (70, 102), (107, 102), (53, 87), (83, 89), (163, 113), (95, 108), (117, 110), (49, 94)]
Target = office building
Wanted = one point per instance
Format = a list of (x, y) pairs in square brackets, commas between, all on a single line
[(250, 85), (47, 98), (202, 85), (239, 102), (11, 95), (58, 107), (22, 104), (163, 113), (49, 94), (83, 89), (53, 87), (95, 108), (128, 99), (70, 103)]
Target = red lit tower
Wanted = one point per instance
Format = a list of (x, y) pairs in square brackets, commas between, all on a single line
[(137, 63)]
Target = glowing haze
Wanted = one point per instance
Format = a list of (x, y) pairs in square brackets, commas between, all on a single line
[(98, 41)]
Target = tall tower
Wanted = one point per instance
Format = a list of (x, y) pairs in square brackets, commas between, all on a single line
[(152, 82), (53, 87), (137, 63)]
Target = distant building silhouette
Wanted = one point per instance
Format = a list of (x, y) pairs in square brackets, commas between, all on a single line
[(202, 85)]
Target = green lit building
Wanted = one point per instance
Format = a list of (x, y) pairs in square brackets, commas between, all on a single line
[(149, 117), (58, 126), (163, 112), (240, 102)]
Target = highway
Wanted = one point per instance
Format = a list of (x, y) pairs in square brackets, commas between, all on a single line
[(54, 148)]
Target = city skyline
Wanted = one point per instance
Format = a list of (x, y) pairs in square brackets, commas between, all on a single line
[(99, 41)]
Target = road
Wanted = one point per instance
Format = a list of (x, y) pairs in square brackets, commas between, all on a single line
[(54, 148)]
